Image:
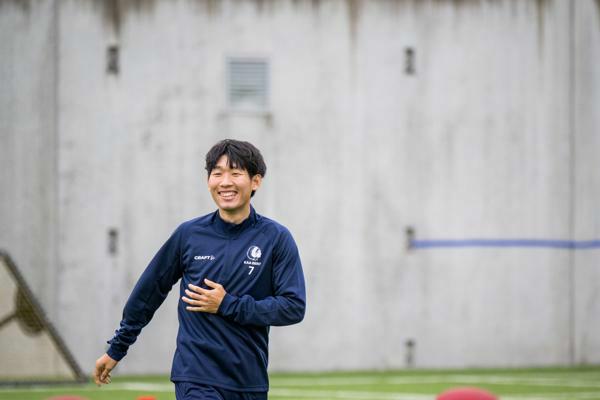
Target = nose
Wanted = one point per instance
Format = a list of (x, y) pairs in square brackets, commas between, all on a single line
[(226, 180)]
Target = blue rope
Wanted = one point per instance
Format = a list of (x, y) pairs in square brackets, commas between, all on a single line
[(540, 243)]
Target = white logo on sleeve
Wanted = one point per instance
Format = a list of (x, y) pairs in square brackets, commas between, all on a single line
[(204, 258)]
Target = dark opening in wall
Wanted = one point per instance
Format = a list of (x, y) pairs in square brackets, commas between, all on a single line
[(409, 61), (410, 237), (112, 60), (411, 345), (113, 241)]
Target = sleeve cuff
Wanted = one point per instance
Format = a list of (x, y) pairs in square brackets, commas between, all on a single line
[(226, 306), (115, 354)]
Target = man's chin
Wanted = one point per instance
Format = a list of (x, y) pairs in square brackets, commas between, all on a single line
[(230, 208)]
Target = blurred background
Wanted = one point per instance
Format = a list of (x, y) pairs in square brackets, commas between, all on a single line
[(436, 161)]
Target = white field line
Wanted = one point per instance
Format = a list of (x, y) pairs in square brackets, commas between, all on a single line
[(327, 381), (467, 379), (312, 394), (505, 380), (279, 391), (357, 395), (142, 386), (555, 396), (133, 386), (345, 394)]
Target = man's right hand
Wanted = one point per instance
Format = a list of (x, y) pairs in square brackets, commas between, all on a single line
[(104, 365)]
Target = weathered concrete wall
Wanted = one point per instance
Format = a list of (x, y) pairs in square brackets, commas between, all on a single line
[(486, 140), (28, 146), (586, 183), (493, 136)]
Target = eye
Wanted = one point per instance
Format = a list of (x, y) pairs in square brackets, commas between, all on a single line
[(215, 173)]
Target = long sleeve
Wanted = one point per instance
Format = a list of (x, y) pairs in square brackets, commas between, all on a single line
[(287, 305), (148, 294)]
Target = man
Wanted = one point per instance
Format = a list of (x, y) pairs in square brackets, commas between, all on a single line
[(240, 273)]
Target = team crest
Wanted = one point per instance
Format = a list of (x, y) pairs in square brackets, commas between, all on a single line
[(254, 253)]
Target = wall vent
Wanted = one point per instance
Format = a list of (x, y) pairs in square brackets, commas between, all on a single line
[(248, 84)]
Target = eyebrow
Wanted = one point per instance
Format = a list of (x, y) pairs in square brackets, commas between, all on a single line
[(220, 168)]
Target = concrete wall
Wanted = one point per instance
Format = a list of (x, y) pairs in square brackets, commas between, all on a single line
[(493, 136), (28, 142), (586, 177)]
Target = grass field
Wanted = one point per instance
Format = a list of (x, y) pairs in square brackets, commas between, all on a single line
[(530, 384)]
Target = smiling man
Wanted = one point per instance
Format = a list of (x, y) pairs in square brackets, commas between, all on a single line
[(240, 274)]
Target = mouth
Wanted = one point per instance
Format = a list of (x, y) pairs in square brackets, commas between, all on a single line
[(227, 194)]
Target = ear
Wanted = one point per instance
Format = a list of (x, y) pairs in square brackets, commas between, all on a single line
[(256, 181)]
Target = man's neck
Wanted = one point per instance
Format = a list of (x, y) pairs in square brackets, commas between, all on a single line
[(235, 217)]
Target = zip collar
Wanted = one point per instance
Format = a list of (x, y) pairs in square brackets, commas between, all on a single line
[(228, 229)]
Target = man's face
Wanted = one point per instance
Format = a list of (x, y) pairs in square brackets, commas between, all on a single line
[(231, 188)]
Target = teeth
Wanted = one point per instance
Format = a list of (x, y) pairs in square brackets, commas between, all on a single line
[(227, 194)]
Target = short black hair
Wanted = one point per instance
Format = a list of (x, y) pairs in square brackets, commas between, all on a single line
[(242, 155)]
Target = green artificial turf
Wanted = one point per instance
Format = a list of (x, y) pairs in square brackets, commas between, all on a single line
[(517, 384)]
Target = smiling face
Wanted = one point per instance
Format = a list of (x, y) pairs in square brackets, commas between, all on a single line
[(231, 189)]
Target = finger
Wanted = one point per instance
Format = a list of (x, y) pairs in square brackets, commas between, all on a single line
[(97, 378), (97, 372), (193, 295), (211, 284), (187, 300), (105, 373), (195, 309), (198, 289), (201, 302), (195, 288)]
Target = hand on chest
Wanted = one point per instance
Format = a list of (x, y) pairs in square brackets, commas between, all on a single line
[(242, 265)]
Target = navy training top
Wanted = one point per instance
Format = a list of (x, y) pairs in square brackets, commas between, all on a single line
[(257, 263)]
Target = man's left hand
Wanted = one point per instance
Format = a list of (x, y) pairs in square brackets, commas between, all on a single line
[(204, 300)]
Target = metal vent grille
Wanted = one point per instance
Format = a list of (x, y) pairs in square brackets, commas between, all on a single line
[(248, 84)]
